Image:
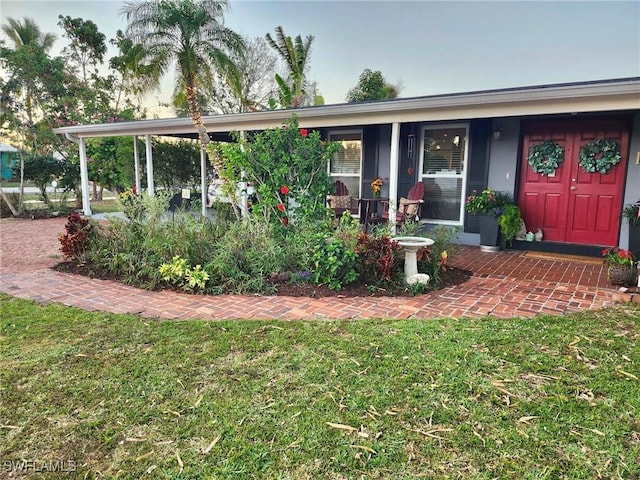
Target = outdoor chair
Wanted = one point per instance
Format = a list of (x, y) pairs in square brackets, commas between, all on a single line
[(409, 207), (341, 201)]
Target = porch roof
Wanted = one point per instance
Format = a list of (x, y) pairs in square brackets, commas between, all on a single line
[(567, 98)]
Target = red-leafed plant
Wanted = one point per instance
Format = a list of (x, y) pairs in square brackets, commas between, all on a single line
[(378, 257), (74, 241)]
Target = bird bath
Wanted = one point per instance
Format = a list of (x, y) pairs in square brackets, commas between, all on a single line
[(411, 245)]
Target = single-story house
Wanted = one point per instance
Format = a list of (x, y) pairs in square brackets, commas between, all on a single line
[(8, 158), (460, 142)]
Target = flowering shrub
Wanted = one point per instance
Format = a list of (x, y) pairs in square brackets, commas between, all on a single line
[(488, 201), (288, 167), (617, 256)]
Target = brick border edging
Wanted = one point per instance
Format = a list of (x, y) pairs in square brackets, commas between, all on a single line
[(626, 295)]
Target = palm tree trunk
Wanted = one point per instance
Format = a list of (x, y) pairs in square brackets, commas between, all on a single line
[(196, 117)]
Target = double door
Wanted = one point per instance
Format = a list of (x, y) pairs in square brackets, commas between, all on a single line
[(572, 205)]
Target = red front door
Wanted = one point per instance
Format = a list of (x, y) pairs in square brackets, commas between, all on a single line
[(572, 205)]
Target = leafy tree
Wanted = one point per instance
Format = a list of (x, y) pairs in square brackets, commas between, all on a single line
[(88, 45), (189, 32), (41, 170), (372, 86), (176, 163), (296, 55)]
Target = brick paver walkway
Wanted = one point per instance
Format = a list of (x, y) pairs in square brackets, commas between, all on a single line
[(506, 284)]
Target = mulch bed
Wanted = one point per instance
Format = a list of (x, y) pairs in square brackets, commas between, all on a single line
[(449, 278)]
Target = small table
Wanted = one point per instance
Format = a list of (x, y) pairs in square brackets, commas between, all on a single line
[(371, 215)]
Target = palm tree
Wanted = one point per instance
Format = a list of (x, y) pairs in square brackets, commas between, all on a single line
[(27, 33), (189, 33), (296, 55)]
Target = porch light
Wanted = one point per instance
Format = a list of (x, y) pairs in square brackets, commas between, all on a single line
[(497, 134)]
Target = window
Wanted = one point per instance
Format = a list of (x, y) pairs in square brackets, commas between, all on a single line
[(346, 165), (444, 161)]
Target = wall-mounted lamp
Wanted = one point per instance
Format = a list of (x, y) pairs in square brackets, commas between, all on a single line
[(497, 134)]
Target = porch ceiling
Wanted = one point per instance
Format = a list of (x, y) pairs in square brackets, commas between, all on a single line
[(597, 96)]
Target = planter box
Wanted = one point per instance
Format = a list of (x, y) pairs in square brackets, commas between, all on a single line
[(489, 233), (634, 240)]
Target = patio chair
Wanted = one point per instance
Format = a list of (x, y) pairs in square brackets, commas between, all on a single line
[(342, 202), (409, 207)]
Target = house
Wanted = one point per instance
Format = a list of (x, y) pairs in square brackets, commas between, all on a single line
[(7, 161), (457, 143)]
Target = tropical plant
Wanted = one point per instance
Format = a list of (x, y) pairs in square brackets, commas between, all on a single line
[(78, 231), (632, 213), (372, 86), (510, 221), (334, 263), (189, 32), (296, 55)]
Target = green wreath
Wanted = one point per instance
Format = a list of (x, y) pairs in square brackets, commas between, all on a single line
[(610, 156), (545, 157)]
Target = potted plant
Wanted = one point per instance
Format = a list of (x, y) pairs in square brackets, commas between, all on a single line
[(491, 206), (631, 213), (621, 266)]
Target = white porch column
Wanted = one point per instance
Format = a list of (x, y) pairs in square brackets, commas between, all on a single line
[(84, 178), (393, 174), (150, 188), (136, 161), (203, 180)]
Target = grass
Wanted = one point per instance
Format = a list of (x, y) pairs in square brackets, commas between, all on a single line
[(543, 398)]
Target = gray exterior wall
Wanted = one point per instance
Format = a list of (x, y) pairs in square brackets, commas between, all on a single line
[(503, 159), (632, 187)]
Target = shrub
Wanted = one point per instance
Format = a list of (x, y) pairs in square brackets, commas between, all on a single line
[(334, 263), (179, 273), (434, 259), (74, 241), (377, 257)]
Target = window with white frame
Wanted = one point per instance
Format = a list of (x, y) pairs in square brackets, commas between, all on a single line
[(346, 164), (444, 163)]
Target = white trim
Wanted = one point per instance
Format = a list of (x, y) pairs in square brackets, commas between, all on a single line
[(612, 95), (463, 175), (136, 164), (149, 154), (84, 178)]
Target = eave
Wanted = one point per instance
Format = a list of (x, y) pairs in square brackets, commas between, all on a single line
[(574, 98)]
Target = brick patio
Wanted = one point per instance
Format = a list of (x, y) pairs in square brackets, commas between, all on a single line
[(506, 284)]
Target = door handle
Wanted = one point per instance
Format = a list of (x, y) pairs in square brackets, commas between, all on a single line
[(573, 187)]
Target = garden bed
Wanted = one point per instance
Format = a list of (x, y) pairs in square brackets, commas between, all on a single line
[(283, 286)]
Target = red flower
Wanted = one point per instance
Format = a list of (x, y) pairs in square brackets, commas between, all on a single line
[(281, 207), (304, 132), (284, 190)]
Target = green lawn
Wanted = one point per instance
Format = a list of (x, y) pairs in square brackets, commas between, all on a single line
[(121, 396)]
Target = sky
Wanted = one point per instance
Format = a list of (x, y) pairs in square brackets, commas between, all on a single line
[(428, 47)]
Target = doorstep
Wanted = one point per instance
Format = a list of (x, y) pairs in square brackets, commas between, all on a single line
[(626, 295), (559, 247)]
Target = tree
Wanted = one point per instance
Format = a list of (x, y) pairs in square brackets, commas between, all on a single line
[(189, 32), (88, 45), (372, 86), (296, 55), (27, 33)]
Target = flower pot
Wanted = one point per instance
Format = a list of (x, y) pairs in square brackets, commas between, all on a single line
[(622, 274), (634, 240), (489, 233)]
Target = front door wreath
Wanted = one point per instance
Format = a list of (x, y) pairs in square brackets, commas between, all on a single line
[(599, 156), (545, 157)]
